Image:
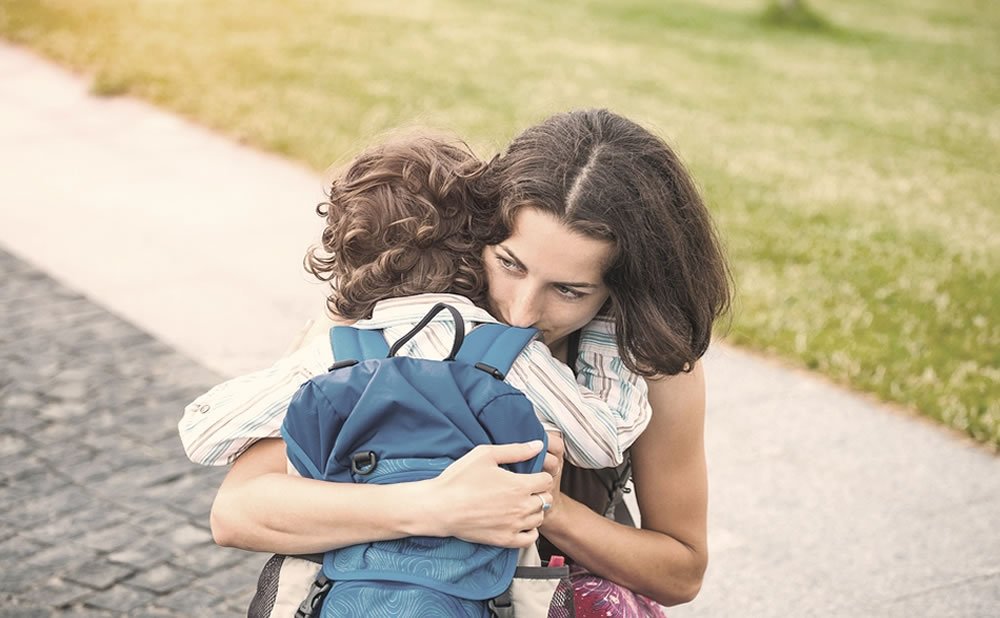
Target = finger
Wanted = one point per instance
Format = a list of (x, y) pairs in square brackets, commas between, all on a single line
[(551, 464), (513, 453), (546, 499), (533, 521), (537, 483), (539, 503), (556, 445), (525, 538)]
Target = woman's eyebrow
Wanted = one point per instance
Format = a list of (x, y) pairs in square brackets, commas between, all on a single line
[(568, 284)]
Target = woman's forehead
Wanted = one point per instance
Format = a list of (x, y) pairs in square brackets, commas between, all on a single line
[(551, 249)]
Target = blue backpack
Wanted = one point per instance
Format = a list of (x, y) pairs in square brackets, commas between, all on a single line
[(380, 418)]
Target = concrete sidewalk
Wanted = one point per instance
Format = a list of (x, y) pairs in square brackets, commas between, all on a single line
[(822, 503)]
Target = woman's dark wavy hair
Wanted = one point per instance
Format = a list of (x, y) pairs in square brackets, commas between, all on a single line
[(398, 223), (609, 178)]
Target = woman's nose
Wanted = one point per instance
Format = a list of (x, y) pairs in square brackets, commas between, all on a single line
[(524, 311)]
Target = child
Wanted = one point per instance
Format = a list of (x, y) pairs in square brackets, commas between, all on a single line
[(399, 238)]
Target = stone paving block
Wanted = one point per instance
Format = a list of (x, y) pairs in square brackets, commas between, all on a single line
[(113, 538), (41, 482), (96, 515), (80, 611), (208, 559), (100, 574), (186, 494), (120, 599), (7, 531), (68, 389), (141, 557), (64, 411), (152, 611), (23, 421), (188, 536), (134, 481), (15, 577), (59, 500), (163, 578), (55, 434), (12, 444), (101, 466), (12, 469), (237, 583), (192, 601), (19, 547), (33, 611), (55, 592), (159, 521), (105, 422), (63, 557), (220, 610), (66, 456)]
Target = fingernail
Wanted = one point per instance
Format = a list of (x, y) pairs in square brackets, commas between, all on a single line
[(535, 444)]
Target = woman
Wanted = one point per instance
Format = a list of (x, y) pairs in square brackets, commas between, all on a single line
[(585, 215)]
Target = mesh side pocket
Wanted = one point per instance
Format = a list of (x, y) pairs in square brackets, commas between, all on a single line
[(283, 583), (262, 603), (542, 592), (561, 605)]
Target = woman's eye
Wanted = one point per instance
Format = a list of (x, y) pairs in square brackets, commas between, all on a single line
[(569, 293)]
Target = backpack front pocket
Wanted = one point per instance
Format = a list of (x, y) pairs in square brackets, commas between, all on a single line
[(402, 470), (367, 599)]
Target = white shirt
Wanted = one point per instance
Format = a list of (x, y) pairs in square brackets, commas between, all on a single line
[(600, 413)]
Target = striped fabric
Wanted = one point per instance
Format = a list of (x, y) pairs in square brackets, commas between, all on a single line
[(600, 412)]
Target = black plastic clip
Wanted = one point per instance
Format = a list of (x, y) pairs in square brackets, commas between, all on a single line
[(342, 364), (309, 607), (364, 462), (502, 605), (493, 371)]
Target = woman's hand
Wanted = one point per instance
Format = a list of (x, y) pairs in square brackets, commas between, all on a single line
[(476, 500)]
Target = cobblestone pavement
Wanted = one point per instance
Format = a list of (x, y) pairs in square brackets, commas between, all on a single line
[(100, 512)]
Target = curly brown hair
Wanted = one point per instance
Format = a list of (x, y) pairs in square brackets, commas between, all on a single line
[(397, 224)]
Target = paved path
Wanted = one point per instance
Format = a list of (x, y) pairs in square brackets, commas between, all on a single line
[(100, 511), (823, 503)]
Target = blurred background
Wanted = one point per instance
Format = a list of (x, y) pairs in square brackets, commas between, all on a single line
[(849, 151)]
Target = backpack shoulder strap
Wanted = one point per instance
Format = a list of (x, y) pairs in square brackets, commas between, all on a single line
[(496, 346), (358, 344)]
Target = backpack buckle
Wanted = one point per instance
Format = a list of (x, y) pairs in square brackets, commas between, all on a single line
[(363, 463), (502, 605), (317, 594)]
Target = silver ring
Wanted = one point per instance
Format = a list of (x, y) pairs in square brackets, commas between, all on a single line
[(545, 505)]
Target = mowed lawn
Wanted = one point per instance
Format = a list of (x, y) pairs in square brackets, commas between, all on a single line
[(854, 169)]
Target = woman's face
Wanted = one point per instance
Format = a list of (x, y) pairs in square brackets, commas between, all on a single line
[(546, 275)]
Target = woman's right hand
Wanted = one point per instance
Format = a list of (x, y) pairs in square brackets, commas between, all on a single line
[(476, 500)]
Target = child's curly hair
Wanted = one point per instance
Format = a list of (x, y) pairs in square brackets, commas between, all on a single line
[(398, 223)]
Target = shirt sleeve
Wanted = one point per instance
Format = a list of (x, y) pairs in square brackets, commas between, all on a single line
[(600, 369), (600, 414), (218, 426)]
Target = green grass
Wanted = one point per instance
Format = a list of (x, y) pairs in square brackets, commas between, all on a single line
[(854, 166)]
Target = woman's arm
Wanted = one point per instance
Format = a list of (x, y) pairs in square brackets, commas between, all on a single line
[(666, 559), (260, 507)]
